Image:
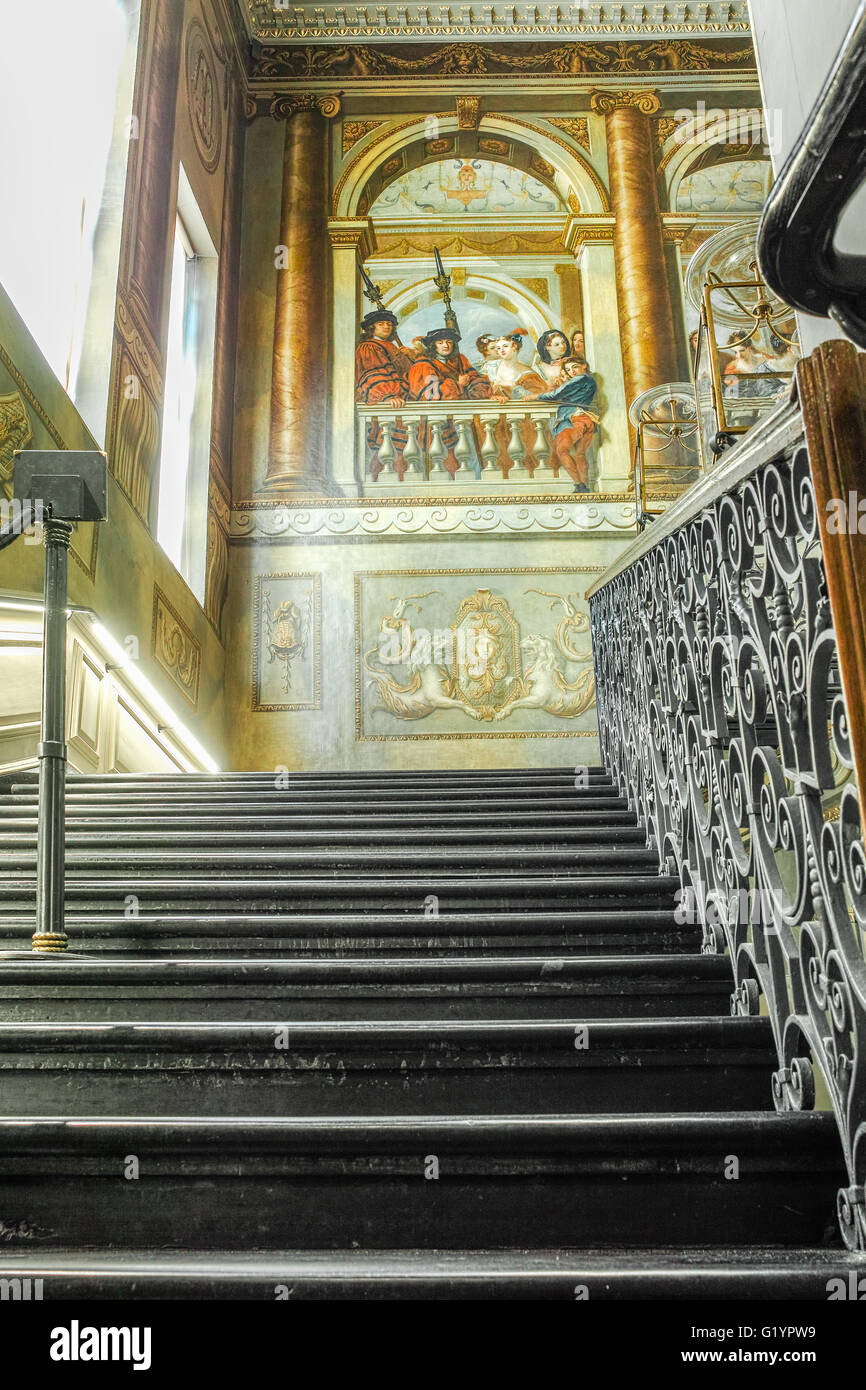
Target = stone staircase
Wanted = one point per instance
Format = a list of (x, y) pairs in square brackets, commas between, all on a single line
[(398, 1035)]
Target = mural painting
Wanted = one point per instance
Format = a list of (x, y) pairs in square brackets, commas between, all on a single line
[(496, 653), (467, 186), (434, 368)]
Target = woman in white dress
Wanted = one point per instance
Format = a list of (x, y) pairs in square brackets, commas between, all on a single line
[(510, 377)]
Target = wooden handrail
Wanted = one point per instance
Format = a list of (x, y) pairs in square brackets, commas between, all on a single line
[(831, 384)]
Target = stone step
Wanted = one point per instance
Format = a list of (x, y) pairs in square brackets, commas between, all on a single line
[(525, 843), (693, 1273), (289, 1067), (34, 989), (373, 801), (419, 896), (613, 925), (448, 778), (249, 821), (230, 861), (417, 1182)]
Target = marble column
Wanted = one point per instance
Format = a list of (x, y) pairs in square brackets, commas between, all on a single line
[(601, 332), (296, 454), (352, 241), (647, 334)]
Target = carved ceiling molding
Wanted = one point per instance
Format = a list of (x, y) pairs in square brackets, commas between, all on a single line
[(293, 23)]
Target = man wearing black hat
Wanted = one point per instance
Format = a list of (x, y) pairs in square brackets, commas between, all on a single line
[(442, 373), (381, 362)]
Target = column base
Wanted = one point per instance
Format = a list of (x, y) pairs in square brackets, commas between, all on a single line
[(291, 486)]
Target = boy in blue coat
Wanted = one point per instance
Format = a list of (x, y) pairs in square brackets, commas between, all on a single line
[(575, 423)]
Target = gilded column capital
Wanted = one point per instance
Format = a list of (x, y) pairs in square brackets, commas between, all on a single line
[(641, 100), (282, 108), (353, 231)]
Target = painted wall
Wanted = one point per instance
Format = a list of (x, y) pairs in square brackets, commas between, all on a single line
[(331, 690), (186, 108)]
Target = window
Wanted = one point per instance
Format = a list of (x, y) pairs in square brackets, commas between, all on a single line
[(185, 457), (64, 169)]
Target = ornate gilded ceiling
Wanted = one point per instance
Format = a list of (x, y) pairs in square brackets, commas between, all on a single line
[(283, 22)]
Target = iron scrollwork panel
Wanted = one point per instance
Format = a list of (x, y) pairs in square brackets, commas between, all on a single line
[(722, 718)]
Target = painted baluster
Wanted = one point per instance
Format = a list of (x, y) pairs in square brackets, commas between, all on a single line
[(464, 450), (437, 450), (411, 452), (387, 453), (365, 449), (516, 451), (542, 447), (489, 445)]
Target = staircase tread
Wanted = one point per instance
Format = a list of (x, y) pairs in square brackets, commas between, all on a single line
[(600, 1129), (75, 968), (342, 1263), (681, 1033)]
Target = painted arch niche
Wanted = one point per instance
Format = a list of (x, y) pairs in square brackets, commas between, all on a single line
[(450, 187), (739, 185)]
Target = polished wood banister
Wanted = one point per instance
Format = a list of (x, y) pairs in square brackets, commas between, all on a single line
[(831, 385)]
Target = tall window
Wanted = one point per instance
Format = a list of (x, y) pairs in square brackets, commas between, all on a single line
[(64, 164), (184, 464)]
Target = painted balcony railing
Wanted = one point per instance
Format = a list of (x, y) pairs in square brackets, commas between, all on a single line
[(723, 718), (475, 442)]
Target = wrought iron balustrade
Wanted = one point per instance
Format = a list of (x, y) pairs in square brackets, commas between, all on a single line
[(723, 719), (476, 442)]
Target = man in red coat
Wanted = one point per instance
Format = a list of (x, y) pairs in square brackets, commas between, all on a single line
[(442, 373), (381, 363)]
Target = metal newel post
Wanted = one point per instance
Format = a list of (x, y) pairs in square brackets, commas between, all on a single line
[(50, 934)]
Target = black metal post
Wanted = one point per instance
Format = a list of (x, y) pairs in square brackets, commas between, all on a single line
[(50, 934)]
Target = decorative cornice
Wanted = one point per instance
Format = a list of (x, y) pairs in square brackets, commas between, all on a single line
[(580, 231), (304, 22), (353, 231), (605, 102)]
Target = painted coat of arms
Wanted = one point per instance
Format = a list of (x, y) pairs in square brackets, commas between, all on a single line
[(478, 661)]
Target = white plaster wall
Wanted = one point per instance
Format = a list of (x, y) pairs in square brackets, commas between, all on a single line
[(796, 42)]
